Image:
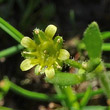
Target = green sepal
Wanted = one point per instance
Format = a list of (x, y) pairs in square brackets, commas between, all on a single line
[(58, 41), (36, 37), (42, 36)]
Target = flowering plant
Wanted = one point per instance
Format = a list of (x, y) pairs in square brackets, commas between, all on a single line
[(46, 53)]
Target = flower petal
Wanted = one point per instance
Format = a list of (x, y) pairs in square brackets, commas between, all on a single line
[(28, 64), (64, 54), (27, 55), (50, 31), (28, 43), (50, 72)]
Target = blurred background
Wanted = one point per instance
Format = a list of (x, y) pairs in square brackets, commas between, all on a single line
[(70, 16)]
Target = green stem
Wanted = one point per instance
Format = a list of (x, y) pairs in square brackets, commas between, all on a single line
[(104, 80), (35, 95), (10, 51), (69, 94), (10, 30), (71, 98), (41, 96), (30, 94), (105, 83), (93, 93), (106, 47), (105, 35), (58, 90)]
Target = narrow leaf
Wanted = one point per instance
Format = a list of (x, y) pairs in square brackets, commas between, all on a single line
[(10, 30), (105, 35), (65, 79), (10, 51), (95, 108)]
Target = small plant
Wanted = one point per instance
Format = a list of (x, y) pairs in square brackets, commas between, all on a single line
[(47, 55)]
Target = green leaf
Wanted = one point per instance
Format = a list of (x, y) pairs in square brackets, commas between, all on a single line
[(105, 35), (10, 30), (105, 83), (65, 79), (95, 108), (10, 51), (86, 97), (93, 41)]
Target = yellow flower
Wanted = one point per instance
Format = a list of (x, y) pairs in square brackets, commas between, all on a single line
[(44, 51)]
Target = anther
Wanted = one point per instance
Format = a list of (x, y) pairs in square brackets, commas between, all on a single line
[(36, 31), (58, 40)]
